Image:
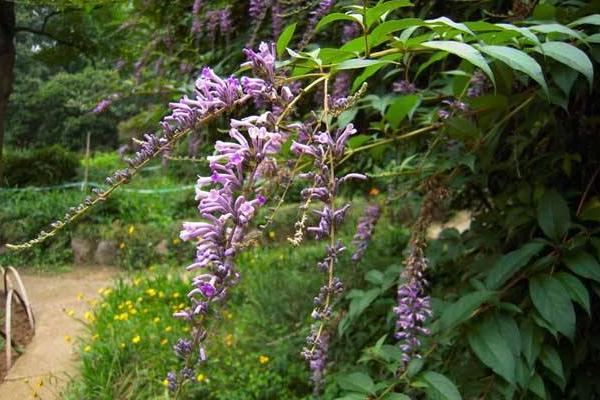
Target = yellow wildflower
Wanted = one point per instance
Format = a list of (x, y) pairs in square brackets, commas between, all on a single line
[(175, 295), (263, 359), (136, 339), (168, 328), (122, 345), (131, 229), (133, 311), (137, 281), (156, 320), (176, 241), (89, 316), (163, 342), (271, 234), (68, 338), (70, 312), (95, 337), (165, 382), (87, 348), (80, 296), (151, 292), (161, 294), (229, 340), (200, 378)]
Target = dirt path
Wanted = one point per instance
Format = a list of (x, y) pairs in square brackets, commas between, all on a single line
[(50, 359)]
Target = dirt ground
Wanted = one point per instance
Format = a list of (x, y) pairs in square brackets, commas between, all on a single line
[(59, 302)]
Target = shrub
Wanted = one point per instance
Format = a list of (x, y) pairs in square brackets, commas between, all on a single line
[(46, 166)]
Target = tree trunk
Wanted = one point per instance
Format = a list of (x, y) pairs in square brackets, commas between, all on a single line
[(7, 64)]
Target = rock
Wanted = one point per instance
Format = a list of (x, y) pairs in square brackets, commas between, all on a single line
[(162, 248), (82, 250), (106, 253)]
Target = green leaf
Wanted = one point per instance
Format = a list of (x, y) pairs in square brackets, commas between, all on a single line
[(464, 51), (553, 215), (531, 341), (493, 349), (357, 63), (284, 39), (354, 142), (357, 382), (576, 289), (552, 301), (591, 210), (374, 13), (507, 326), (551, 360), (583, 264), (448, 22), (569, 55), (458, 312), (536, 386), (439, 387), (525, 32), (593, 19), (403, 106), (517, 59), (511, 263), (435, 57), (557, 28), (329, 18)]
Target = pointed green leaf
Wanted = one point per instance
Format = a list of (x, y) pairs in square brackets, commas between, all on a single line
[(519, 60), (329, 18), (569, 55), (448, 22), (551, 360), (357, 63), (402, 107), (593, 19), (284, 39), (510, 263), (357, 382), (464, 51), (531, 341), (493, 349), (557, 28), (553, 215), (461, 310), (439, 387), (536, 386), (374, 13), (583, 264), (576, 290), (553, 303)]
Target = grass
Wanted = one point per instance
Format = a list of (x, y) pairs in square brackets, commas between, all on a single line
[(254, 346)]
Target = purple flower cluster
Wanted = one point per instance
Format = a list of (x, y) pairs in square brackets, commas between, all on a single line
[(477, 84), (341, 86), (413, 307), (104, 104), (404, 87), (315, 15), (364, 231), (256, 8), (326, 151), (350, 31), (453, 106), (196, 24), (228, 198)]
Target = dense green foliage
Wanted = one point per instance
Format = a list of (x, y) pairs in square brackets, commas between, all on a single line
[(514, 296)]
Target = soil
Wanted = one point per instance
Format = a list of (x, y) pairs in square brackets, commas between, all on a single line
[(50, 360), (21, 332)]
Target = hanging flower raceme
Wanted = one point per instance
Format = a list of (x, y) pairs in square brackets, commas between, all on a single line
[(228, 198), (364, 231), (321, 10), (326, 150), (413, 307)]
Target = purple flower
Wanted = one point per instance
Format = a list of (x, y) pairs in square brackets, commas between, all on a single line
[(256, 8), (364, 231), (404, 87), (413, 307), (478, 84), (315, 15), (277, 19)]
